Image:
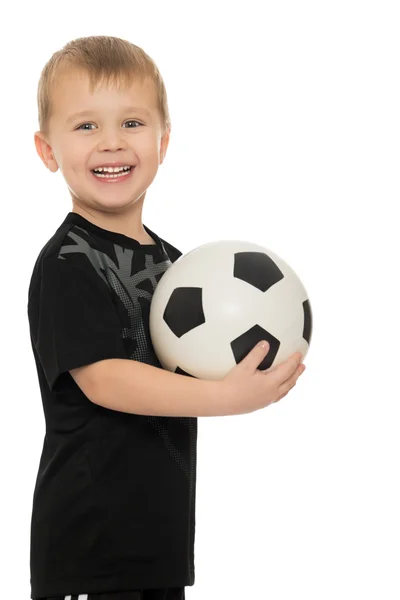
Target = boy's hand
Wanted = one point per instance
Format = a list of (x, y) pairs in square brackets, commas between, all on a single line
[(250, 389)]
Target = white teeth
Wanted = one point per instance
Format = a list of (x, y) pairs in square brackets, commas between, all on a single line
[(112, 169), (110, 175)]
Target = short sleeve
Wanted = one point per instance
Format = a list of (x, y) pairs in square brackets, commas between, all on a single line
[(73, 320)]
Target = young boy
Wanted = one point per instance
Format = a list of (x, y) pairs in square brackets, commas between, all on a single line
[(114, 504)]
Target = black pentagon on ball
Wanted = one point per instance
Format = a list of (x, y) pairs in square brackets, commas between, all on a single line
[(242, 345), (182, 372), (184, 310), (307, 328), (257, 269)]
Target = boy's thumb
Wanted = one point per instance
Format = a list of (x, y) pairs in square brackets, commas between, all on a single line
[(256, 355)]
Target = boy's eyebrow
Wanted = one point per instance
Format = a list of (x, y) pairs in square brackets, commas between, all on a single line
[(83, 113)]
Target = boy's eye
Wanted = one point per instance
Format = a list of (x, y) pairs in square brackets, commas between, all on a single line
[(83, 125)]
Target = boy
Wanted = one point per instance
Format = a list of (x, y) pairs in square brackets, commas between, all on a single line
[(114, 504)]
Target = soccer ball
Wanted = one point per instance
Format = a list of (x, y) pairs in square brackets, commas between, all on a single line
[(213, 305)]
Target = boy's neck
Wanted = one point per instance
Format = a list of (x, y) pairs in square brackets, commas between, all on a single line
[(128, 224)]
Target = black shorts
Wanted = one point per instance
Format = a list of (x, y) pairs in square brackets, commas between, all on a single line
[(161, 594)]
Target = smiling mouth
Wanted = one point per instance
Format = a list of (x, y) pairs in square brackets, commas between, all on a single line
[(110, 177)]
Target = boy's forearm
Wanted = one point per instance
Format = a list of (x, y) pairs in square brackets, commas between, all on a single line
[(138, 388)]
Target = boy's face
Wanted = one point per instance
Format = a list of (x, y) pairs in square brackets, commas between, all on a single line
[(106, 134)]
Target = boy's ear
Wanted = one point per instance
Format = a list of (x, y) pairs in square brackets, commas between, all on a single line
[(164, 145), (45, 152)]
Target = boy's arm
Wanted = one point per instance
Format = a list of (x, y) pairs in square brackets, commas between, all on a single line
[(133, 387)]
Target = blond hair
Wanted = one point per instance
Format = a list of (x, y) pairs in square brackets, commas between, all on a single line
[(105, 59)]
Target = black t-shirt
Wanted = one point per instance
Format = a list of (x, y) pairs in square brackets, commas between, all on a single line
[(114, 501)]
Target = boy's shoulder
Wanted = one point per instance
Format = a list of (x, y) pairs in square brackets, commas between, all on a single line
[(49, 251)]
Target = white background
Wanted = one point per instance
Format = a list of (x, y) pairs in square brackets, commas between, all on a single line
[(285, 132)]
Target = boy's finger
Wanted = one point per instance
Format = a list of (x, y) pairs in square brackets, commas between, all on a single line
[(256, 355), (284, 371)]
